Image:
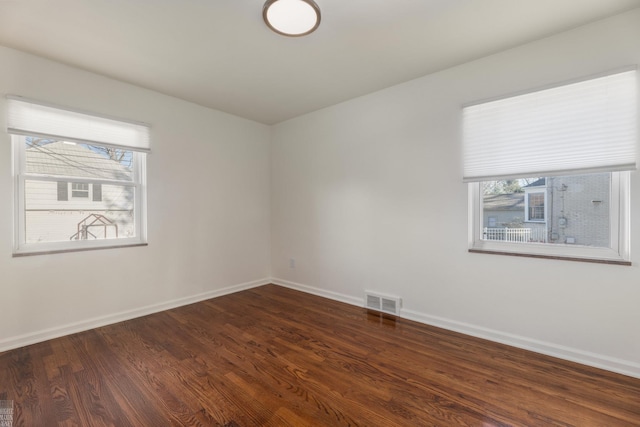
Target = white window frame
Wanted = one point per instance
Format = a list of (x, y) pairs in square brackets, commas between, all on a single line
[(21, 247), (87, 191), (543, 191), (619, 219)]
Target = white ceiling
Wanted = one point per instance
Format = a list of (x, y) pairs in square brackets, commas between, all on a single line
[(219, 53)]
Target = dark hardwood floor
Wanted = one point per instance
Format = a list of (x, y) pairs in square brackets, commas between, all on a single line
[(273, 356)]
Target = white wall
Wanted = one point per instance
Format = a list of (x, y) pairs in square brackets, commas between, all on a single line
[(368, 194), (364, 195), (208, 211)]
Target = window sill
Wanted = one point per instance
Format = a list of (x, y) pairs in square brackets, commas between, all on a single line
[(556, 257), (80, 249)]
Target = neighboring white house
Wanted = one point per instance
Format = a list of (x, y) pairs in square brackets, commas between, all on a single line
[(578, 209), (504, 219), (565, 209), (67, 209), (503, 210)]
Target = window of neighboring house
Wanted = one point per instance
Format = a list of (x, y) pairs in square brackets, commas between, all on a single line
[(80, 189), (534, 206), (79, 179), (522, 165)]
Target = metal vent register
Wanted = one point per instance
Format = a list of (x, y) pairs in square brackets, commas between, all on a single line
[(383, 303)]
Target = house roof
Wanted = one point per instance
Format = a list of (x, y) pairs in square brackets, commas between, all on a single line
[(74, 160), (504, 202), (541, 182)]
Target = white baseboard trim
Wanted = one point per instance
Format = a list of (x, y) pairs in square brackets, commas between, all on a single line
[(96, 322), (562, 352), (319, 292), (595, 360)]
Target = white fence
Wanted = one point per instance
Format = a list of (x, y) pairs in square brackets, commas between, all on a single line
[(518, 235)]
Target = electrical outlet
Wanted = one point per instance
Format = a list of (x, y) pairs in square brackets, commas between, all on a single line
[(292, 263)]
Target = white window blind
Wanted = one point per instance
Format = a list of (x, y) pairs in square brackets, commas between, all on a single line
[(32, 118), (584, 127)]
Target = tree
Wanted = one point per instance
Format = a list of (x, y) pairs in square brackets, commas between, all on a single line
[(505, 186), (116, 154)]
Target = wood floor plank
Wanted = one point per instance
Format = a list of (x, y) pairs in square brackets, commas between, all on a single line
[(271, 356)]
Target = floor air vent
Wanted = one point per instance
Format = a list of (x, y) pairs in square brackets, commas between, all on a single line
[(383, 303)]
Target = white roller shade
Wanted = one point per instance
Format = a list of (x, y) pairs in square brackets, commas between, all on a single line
[(584, 127), (31, 118)]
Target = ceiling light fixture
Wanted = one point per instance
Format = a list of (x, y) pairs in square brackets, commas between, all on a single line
[(293, 18)]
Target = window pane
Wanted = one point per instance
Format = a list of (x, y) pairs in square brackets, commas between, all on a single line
[(571, 210), (79, 189), (61, 158), (49, 219), (536, 206)]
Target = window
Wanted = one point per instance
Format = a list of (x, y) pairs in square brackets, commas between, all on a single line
[(534, 206), (573, 209), (548, 170), (80, 189), (79, 179)]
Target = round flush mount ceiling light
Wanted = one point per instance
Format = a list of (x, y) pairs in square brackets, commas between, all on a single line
[(293, 18)]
